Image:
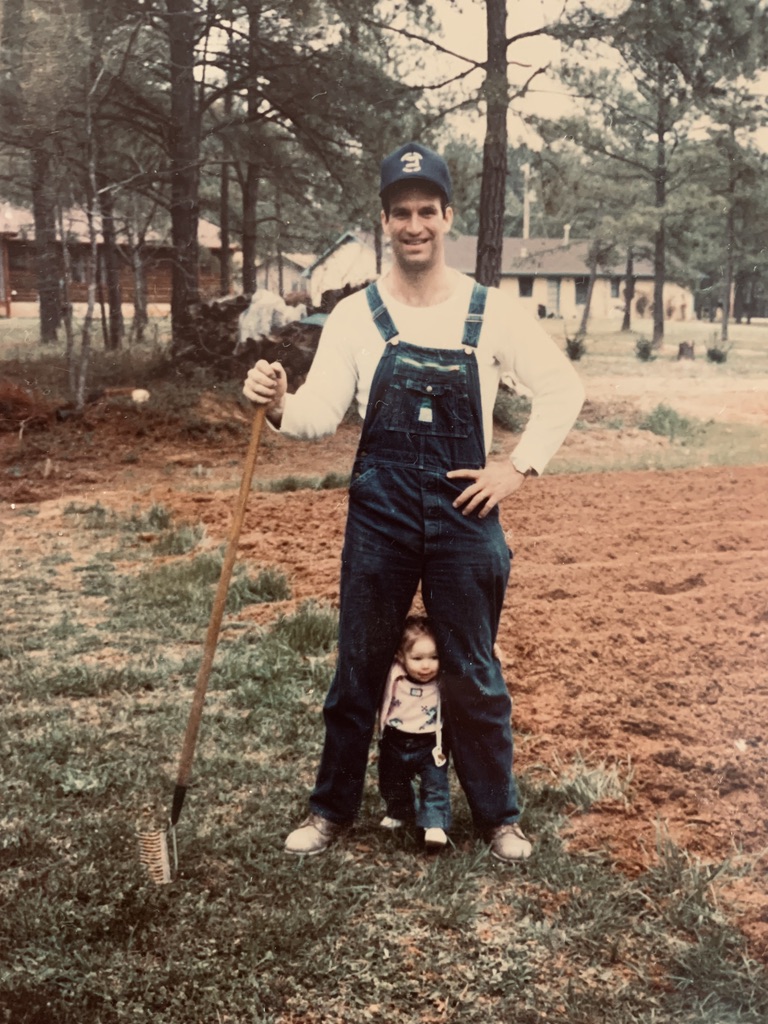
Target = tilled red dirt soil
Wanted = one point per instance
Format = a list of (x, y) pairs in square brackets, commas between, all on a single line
[(634, 634)]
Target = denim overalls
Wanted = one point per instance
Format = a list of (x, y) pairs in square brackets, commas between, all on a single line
[(424, 418)]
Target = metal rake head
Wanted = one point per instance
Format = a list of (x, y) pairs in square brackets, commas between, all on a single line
[(153, 854)]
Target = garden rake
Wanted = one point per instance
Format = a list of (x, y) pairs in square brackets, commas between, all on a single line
[(153, 845)]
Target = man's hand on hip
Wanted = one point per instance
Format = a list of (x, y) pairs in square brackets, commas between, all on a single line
[(489, 486)]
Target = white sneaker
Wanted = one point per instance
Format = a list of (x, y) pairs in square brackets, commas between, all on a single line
[(508, 843), (314, 835), (435, 838), (387, 822)]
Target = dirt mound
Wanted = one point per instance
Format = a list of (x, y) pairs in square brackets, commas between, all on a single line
[(22, 407)]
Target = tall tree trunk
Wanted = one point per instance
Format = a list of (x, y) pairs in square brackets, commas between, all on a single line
[(184, 145), (494, 178), (250, 190), (225, 259), (730, 242), (582, 331), (46, 247), (251, 184), (378, 244), (66, 297), (112, 261), (629, 290), (140, 314), (659, 253), (136, 235)]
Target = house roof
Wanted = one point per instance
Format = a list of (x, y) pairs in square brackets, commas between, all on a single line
[(302, 260), (17, 221), (546, 257), (364, 238)]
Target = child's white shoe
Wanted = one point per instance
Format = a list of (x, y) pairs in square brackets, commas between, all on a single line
[(435, 838), (387, 822)]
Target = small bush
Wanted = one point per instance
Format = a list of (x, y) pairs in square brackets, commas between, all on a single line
[(330, 482), (157, 517), (511, 411), (644, 349), (717, 353), (575, 348), (334, 481), (179, 541), (666, 422), (93, 517)]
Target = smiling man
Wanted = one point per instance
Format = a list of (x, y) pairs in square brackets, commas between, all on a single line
[(422, 352)]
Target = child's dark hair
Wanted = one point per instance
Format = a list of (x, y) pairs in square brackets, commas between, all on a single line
[(414, 627)]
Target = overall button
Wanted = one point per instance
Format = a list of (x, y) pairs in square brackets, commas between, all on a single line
[(429, 389)]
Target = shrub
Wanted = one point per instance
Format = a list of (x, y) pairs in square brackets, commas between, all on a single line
[(644, 349), (575, 348), (666, 422), (511, 411), (717, 353)]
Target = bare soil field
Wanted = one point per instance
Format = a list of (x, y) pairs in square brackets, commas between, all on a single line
[(636, 625)]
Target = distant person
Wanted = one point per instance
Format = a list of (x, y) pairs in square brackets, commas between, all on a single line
[(411, 744), (422, 351)]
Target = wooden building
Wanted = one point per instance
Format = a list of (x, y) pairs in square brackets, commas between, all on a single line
[(18, 266)]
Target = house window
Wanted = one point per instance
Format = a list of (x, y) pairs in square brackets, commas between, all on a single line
[(582, 284), (525, 286), (615, 287)]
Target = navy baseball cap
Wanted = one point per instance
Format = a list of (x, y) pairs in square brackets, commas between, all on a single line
[(414, 162)]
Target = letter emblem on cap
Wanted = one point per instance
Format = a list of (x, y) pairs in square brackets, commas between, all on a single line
[(412, 162)]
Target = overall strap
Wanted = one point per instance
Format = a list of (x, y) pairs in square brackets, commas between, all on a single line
[(474, 321), (380, 313)]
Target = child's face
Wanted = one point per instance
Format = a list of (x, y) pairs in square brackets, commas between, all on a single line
[(420, 660)]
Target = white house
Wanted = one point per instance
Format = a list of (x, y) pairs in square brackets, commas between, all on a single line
[(285, 273), (350, 260), (550, 275)]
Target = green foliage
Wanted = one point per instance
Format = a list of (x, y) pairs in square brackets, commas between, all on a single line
[(645, 350), (182, 591), (666, 422), (717, 352), (328, 482), (311, 630), (575, 348), (511, 411)]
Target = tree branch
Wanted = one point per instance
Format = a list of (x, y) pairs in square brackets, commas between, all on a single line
[(372, 23)]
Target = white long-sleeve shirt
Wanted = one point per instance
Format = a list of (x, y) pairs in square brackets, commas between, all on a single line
[(512, 343)]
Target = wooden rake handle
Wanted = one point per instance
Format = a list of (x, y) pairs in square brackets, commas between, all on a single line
[(214, 624)]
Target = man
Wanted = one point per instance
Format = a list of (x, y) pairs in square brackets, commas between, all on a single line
[(422, 351)]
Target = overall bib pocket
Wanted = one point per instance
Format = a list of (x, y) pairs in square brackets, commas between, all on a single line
[(433, 403)]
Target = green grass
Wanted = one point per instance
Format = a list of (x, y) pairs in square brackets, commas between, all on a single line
[(91, 724), (327, 482)]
